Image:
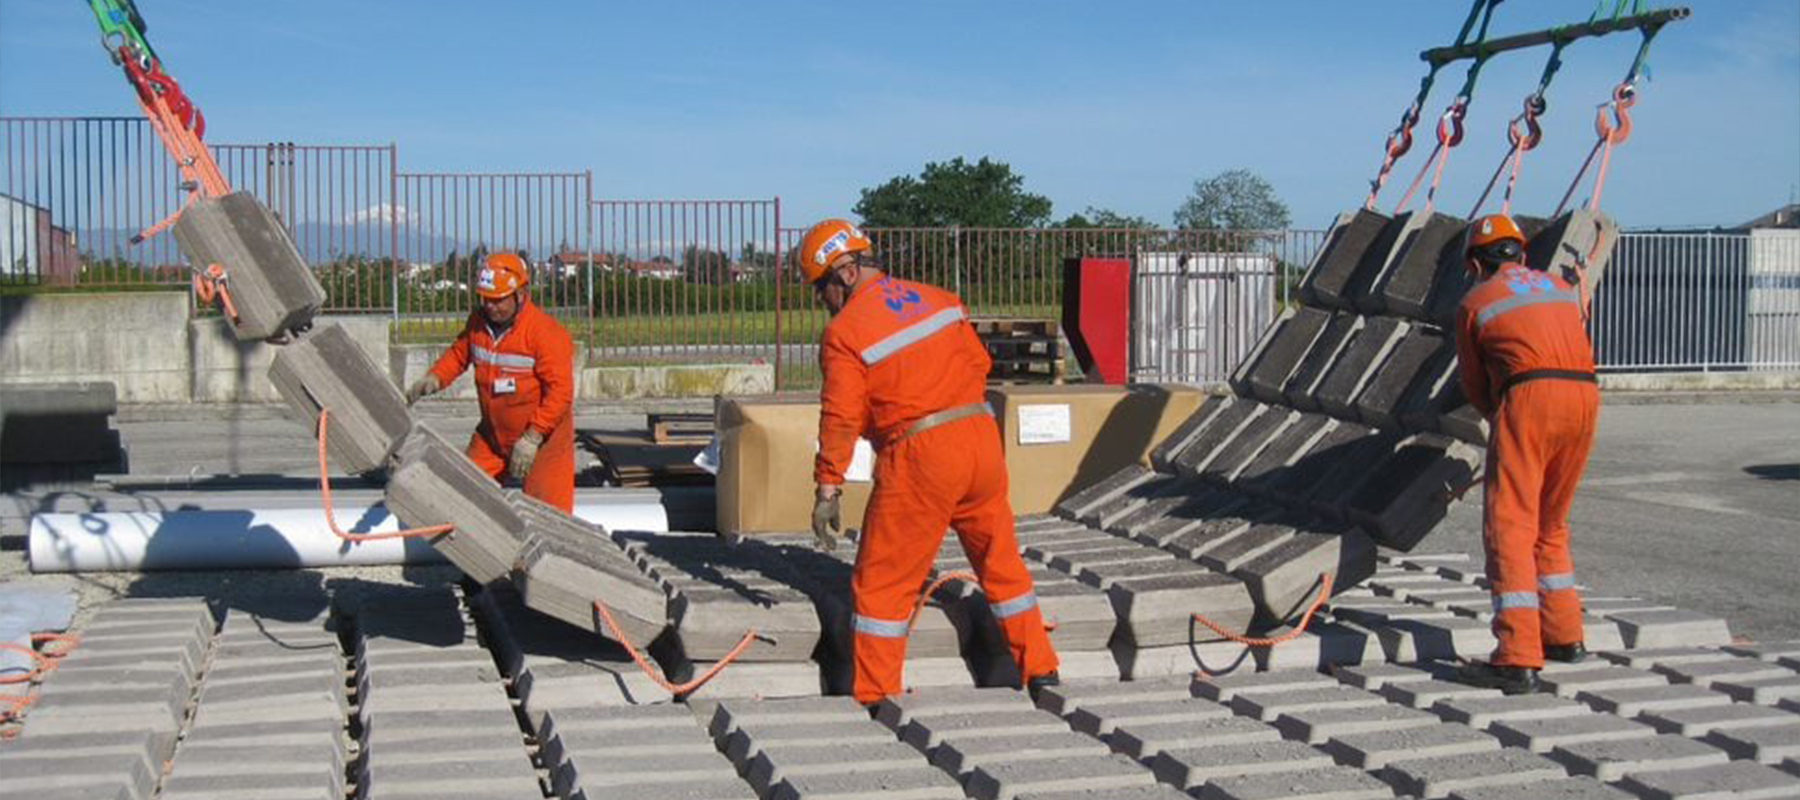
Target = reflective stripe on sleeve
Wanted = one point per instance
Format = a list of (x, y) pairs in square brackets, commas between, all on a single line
[(1558, 581), (487, 356), (1510, 600), (912, 334), (1015, 606), (884, 628), (1518, 301)]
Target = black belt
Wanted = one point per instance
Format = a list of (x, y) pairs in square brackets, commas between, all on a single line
[(1548, 374)]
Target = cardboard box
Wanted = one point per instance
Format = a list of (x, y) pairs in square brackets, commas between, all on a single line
[(1059, 439), (766, 449)]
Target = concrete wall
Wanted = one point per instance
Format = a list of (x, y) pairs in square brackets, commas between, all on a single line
[(149, 347)]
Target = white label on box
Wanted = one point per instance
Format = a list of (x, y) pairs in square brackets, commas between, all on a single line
[(1044, 424), (862, 462)]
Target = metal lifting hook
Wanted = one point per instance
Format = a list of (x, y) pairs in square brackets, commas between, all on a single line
[(1617, 129), (1532, 133), (1450, 125)]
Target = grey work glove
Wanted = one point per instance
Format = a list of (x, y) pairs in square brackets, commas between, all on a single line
[(524, 453), (426, 385), (827, 519)]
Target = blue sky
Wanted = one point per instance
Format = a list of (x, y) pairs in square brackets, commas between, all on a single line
[(1119, 105)]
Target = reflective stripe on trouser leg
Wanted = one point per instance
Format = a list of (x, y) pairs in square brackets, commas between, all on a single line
[(1552, 583), (1015, 606), (883, 628), (1508, 601)]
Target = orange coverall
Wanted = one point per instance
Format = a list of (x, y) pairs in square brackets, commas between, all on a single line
[(524, 377), (1527, 365), (898, 352)]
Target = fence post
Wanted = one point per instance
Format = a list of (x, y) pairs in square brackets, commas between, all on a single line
[(587, 238), (394, 236), (956, 259), (779, 272)]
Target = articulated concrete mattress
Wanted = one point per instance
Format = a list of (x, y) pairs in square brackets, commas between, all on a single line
[(448, 692)]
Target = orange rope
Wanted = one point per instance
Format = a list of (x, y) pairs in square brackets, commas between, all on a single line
[(678, 690), (932, 589), (331, 518), (210, 283), (42, 661), (167, 222), (1252, 641)]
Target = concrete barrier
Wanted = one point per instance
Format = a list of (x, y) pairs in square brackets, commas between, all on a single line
[(135, 340)]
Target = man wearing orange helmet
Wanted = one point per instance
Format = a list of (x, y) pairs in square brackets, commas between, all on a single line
[(1527, 365), (904, 368), (525, 379)]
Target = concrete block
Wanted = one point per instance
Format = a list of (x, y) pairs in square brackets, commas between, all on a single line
[(1766, 651), (1158, 611), (1427, 694), (1356, 365), (599, 776), (1767, 745), (723, 589), (1571, 681), (1670, 629), (1379, 403), (1355, 238), (58, 423), (1285, 447), (899, 711), (1771, 691), (1189, 538), (1611, 760), (1206, 658), (1697, 722), (1129, 501), (1652, 657), (1284, 581), (743, 745), (1269, 705), (1736, 779), (1241, 421), (1259, 433), (1325, 645), (1226, 688), (1291, 483), (1430, 244), (961, 757), (1176, 496), (1438, 777), (1635, 701), (271, 286), (1576, 247), (926, 733), (1376, 677), (561, 578), (1091, 498), (922, 782), (1189, 767), (327, 370), (1710, 673), (1065, 699), (1582, 788), (1435, 403), (1302, 388), (775, 763), (1333, 783), (1482, 712), (1262, 536), (1006, 780), (1316, 725), (1100, 718), (1268, 367), (1082, 615), (1407, 494), (1548, 733), (1155, 791), (1352, 469), (438, 485), (1447, 638), (1144, 741), (1376, 749)]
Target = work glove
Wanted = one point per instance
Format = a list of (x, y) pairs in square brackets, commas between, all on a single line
[(524, 453), (827, 520), (422, 387)]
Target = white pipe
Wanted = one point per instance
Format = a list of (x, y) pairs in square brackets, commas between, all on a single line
[(257, 538)]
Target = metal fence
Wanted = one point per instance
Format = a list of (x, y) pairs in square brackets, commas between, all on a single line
[(684, 280)]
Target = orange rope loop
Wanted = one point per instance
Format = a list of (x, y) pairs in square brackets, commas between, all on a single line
[(42, 661), (210, 283), (679, 690), (925, 597), (331, 518), (1253, 641)]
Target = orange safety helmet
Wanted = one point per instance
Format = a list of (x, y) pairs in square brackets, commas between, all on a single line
[(824, 243), (1494, 240), (501, 274)]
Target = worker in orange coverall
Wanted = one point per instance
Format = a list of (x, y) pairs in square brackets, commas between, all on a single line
[(904, 368), (1528, 367), (525, 379)]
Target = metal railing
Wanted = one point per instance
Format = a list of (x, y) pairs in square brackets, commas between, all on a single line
[(685, 280)]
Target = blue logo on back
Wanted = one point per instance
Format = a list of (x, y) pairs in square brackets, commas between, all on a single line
[(900, 299), (1526, 281)]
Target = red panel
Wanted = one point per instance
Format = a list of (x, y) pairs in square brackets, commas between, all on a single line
[(1097, 316)]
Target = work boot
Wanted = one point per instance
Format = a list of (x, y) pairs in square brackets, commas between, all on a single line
[(1566, 653), (1509, 680), (1036, 686)]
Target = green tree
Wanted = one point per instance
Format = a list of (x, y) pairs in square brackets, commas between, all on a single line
[(1233, 200), (956, 193), (1105, 218)]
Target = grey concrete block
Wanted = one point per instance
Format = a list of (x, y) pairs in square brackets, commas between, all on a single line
[(1316, 725), (1226, 688), (1375, 677), (1738, 779), (599, 776), (1711, 673), (563, 577), (1162, 457), (776, 763), (1635, 701), (1128, 502), (1263, 431), (1207, 658), (961, 756), (1006, 780), (920, 783), (699, 789), (1376, 749), (1571, 681), (899, 711), (1435, 402), (1144, 740), (111, 775), (1482, 712), (1269, 705), (1261, 537), (926, 733), (1547, 733), (1190, 767), (438, 485), (1356, 238), (1292, 482), (1582, 788), (1240, 421), (1084, 502), (1285, 580), (743, 745), (1670, 629), (762, 596), (251, 786), (1697, 722), (1438, 777), (1651, 657), (1189, 538), (1333, 783), (1065, 699), (271, 286), (1407, 494), (1614, 759), (1155, 791), (1267, 369), (1427, 694), (1301, 390), (1159, 611), (1430, 245), (1379, 403), (1356, 364), (1766, 651), (1285, 447), (1770, 691), (1769, 745), (327, 370), (1099, 718), (1425, 638), (1575, 246)]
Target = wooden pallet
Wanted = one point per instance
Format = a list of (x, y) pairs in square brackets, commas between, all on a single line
[(637, 460), (1024, 350), (681, 428)]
